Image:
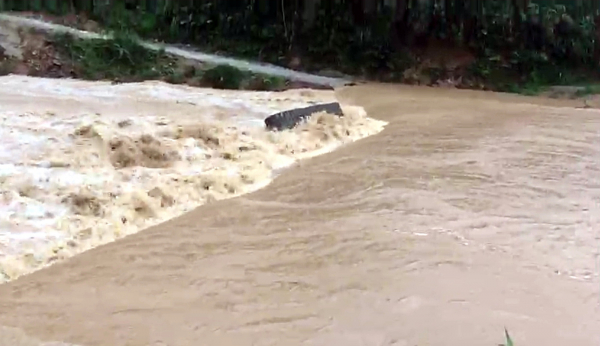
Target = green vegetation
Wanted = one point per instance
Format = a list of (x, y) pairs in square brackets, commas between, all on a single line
[(509, 341), (118, 58), (123, 59), (517, 45), (224, 77), (592, 89)]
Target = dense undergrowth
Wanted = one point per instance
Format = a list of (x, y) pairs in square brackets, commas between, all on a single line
[(513, 45), (123, 59), (117, 58)]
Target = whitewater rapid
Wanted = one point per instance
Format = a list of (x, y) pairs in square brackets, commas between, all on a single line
[(86, 163)]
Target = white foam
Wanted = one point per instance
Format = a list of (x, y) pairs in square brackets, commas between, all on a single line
[(46, 159)]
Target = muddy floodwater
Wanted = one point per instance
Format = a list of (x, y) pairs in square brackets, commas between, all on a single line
[(468, 213), (86, 163)]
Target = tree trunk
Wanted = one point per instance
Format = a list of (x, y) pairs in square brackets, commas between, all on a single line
[(358, 12), (399, 29), (310, 12)]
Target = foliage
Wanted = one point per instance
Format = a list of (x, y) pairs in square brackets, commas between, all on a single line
[(224, 77), (593, 89), (123, 59), (262, 82), (118, 58), (509, 341), (533, 43), (228, 77)]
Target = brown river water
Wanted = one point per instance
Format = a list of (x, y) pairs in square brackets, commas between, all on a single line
[(469, 213)]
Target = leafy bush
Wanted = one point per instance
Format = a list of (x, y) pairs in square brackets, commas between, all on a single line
[(224, 77)]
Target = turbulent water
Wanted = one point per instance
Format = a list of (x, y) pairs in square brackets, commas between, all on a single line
[(75, 177), (468, 214)]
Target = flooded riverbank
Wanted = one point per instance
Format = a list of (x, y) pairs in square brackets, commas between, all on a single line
[(468, 213)]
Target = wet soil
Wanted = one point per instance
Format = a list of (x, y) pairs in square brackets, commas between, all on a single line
[(469, 213)]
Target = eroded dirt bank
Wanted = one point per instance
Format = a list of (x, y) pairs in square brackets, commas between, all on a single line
[(467, 214)]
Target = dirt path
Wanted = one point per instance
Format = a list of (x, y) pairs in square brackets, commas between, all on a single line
[(188, 54), (468, 214)]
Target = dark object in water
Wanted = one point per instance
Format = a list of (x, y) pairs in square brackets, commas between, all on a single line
[(289, 119)]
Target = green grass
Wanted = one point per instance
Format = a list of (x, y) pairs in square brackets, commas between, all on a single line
[(118, 58), (123, 59), (228, 77), (224, 77), (509, 341), (592, 89)]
